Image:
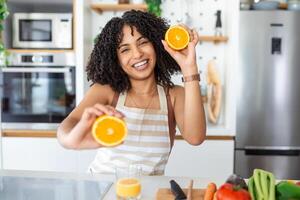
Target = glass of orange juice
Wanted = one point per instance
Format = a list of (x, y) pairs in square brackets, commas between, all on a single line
[(128, 186)]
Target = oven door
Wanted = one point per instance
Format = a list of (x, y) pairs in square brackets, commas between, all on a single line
[(37, 95)]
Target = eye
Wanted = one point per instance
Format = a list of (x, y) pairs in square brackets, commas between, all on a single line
[(144, 42), (124, 50)]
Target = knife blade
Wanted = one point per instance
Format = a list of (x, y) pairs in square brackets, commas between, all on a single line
[(177, 191)]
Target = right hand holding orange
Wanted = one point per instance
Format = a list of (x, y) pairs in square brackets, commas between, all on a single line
[(91, 113), (88, 118)]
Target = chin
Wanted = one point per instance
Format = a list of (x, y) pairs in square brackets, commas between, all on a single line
[(143, 76)]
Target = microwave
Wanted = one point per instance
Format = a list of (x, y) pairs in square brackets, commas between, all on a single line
[(42, 30)]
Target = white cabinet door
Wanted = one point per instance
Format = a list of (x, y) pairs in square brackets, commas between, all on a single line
[(213, 158), (37, 154), (84, 159)]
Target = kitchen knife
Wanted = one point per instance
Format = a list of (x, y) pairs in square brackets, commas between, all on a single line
[(177, 191)]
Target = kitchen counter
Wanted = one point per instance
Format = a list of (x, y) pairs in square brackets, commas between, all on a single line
[(150, 184), (29, 126), (50, 132)]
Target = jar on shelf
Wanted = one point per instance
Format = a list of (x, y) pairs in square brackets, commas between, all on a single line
[(123, 1)]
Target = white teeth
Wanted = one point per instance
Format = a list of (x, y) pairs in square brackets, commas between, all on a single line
[(140, 63)]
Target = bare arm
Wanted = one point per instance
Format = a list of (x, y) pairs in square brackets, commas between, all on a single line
[(188, 107), (189, 112), (75, 131)]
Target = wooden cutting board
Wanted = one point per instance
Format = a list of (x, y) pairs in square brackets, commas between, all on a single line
[(166, 194)]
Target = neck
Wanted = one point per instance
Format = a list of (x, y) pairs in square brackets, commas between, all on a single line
[(143, 87)]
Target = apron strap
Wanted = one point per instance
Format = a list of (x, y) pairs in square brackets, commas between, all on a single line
[(171, 117), (115, 99)]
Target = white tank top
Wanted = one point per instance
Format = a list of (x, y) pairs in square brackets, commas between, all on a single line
[(147, 143)]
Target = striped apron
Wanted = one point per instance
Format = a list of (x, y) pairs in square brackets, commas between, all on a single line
[(147, 143)]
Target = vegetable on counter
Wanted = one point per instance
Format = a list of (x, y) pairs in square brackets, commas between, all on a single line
[(211, 188), (262, 185), (229, 191), (237, 180), (286, 190)]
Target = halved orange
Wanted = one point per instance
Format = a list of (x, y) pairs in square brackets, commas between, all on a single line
[(109, 131), (177, 37)]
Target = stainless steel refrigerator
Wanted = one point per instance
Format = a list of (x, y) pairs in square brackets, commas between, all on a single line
[(268, 94)]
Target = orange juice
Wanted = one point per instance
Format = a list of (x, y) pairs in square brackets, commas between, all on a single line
[(128, 188)]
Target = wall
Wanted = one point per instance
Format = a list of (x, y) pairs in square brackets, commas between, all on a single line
[(201, 16), (211, 154), (88, 25)]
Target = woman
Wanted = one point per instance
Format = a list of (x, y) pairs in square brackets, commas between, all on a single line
[(131, 68)]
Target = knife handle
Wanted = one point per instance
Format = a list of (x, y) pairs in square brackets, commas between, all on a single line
[(176, 190)]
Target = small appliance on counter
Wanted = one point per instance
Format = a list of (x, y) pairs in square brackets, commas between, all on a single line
[(42, 30), (38, 88)]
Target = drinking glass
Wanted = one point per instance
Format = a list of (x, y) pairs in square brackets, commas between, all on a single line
[(128, 186)]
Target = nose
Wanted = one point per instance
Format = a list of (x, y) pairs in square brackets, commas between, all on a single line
[(136, 52)]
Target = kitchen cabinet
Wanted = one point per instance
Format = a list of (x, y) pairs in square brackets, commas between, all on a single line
[(42, 154), (213, 158), (46, 154), (84, 159), (187, 160)]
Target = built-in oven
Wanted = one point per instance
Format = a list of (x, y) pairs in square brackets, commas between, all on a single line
[(38, 88)]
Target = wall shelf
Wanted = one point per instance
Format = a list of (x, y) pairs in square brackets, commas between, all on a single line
[(100, 7), (39, 50), (215, 39)]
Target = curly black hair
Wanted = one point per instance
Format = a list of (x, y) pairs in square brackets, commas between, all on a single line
[(103, 66)]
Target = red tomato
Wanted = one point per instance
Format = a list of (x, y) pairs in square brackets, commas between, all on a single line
[(230, 192)]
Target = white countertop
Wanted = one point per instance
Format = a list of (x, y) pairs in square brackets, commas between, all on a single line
[(150, 184), (30, 126)]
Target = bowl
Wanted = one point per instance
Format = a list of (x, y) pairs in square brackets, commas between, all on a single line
[(245, 6)]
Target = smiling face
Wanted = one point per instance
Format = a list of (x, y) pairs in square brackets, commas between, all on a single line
[(136, 54)]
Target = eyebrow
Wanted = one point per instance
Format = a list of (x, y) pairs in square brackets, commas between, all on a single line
[(128, 44)]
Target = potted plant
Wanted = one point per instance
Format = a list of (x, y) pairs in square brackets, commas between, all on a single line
[(3, 15), (154, 6)]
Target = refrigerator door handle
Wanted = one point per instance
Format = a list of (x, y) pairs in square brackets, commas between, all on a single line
[(275, 151)]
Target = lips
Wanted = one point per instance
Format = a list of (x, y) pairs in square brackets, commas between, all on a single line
[(141, 65)]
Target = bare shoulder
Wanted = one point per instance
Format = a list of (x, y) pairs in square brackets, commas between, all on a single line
[(98, 93), (176, 92)]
